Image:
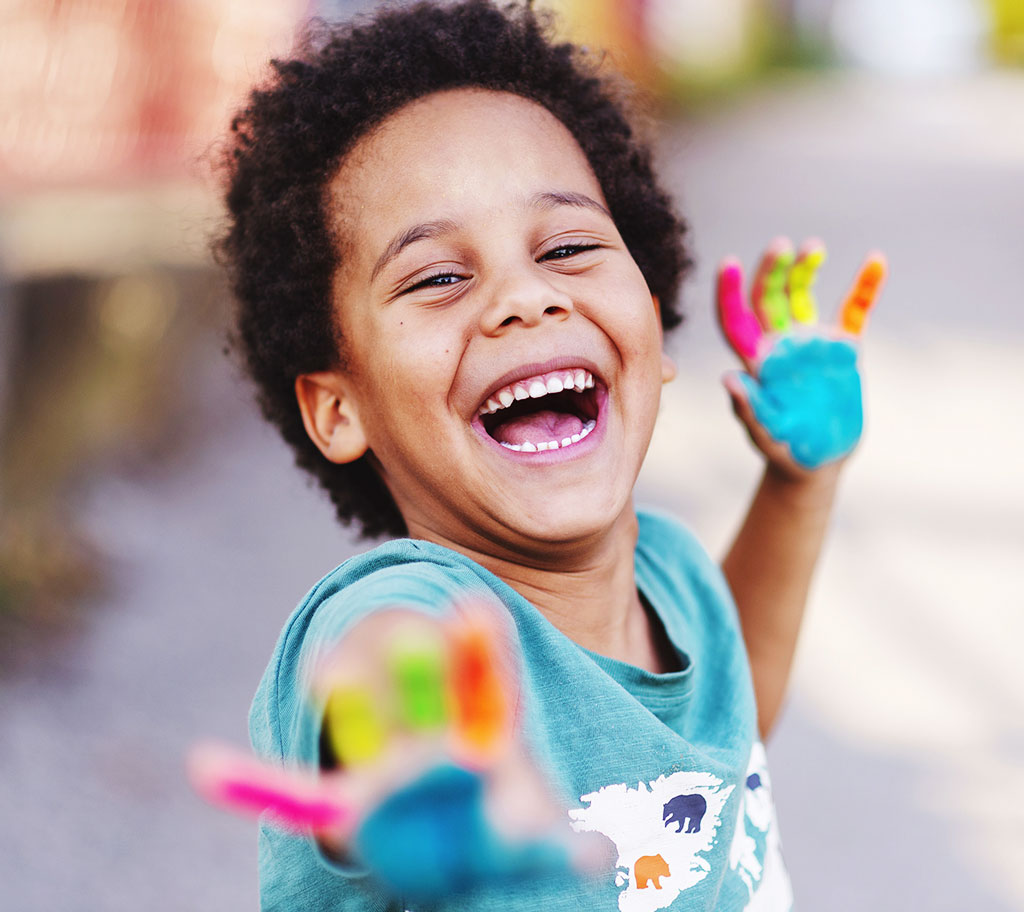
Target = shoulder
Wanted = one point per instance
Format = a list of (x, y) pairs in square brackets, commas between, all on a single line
[(670, 558), (407, 574), (412, 574), (662, 533), (666, 544)]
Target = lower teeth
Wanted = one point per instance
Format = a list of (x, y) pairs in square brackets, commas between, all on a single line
[(551, 444)]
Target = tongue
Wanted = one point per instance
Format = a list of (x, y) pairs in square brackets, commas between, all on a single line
[(538, 427)]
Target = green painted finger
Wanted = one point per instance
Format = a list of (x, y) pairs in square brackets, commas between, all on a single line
[(770, 301), (354, 727), (419, 669), (801, 284)]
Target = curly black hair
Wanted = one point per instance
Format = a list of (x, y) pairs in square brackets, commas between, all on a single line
[(289, 141)]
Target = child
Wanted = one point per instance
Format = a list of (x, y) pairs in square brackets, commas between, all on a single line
[(454, 266)]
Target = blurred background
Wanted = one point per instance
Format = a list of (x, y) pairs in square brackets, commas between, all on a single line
[(154, 535)]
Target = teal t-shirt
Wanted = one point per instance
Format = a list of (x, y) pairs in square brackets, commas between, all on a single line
[(666, 766)]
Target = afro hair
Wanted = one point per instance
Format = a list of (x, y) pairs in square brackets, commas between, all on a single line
[(291, 138)]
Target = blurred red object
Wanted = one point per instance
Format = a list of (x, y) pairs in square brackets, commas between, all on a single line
[(96, 92)]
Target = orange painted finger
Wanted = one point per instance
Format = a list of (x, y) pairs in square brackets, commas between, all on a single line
[(863, 294), (482, 714)]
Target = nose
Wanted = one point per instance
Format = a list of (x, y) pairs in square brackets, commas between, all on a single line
[(524, 299)]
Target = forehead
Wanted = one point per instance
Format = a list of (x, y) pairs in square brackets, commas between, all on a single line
[(456, 153)]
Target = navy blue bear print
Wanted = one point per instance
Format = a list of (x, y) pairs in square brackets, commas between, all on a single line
[(688, 809)]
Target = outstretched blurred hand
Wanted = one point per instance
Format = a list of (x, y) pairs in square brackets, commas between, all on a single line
[(433, 790), (800, 395)]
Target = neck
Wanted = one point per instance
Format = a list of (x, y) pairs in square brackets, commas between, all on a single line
[(587, 590)]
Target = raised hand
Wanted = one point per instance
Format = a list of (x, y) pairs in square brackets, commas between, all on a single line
[(433, 792), (800, 398)]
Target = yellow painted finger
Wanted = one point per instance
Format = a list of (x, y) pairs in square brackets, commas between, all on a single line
[(354, 726), (866, 287), (801, 283)]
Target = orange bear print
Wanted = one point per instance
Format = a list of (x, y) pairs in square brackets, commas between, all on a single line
[(650, 869)]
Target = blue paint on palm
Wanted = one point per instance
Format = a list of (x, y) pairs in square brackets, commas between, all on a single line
[(432, 839), (808, 396)]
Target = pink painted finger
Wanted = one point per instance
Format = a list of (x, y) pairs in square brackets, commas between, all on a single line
[(862, 296), (739, 323), (239, 782)]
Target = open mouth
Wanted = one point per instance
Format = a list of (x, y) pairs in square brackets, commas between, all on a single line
[(546, 412)]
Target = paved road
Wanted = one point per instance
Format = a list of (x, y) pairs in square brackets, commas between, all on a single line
[(898, 765)]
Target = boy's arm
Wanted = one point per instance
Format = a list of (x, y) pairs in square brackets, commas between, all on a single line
[(800, 401), (769, 569), (426, 784)]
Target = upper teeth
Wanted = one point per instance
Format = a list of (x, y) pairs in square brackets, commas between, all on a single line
[(535, 387)]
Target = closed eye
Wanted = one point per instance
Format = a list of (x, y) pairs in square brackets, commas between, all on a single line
[(568, 250), (436, 280), (443, 278)]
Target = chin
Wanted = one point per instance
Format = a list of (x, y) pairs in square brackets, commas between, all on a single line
[(555, 524)]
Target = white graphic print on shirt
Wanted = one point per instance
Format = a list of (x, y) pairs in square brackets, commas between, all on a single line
[(664, 831), (756, 854), (660, 830)]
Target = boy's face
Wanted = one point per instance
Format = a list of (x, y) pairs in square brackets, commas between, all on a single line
[(479, 265)]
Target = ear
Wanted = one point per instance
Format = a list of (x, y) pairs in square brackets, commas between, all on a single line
[(330, 416), (668, 366)]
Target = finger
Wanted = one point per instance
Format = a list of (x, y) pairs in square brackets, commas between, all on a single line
[(238, 782), (742, 388), (380, 685), (802, 276), (739, 323), (768, 294), (775, 451), (356, 726), (866, 287), (482, 708), (419, 668)]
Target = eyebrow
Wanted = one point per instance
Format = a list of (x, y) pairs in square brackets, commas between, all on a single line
[(411, 236), (549, 199)]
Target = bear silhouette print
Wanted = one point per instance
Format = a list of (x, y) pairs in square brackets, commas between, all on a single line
[(650, 869), (688, 809)]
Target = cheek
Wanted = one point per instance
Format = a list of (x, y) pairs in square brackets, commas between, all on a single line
[(411, 371), (628, 309), (637, 331), (424, 354)]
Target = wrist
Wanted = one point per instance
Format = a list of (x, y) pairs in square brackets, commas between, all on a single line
[(805, 488)]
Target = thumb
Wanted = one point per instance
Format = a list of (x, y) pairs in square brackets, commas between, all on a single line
[(749, 402), (756, 411)]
